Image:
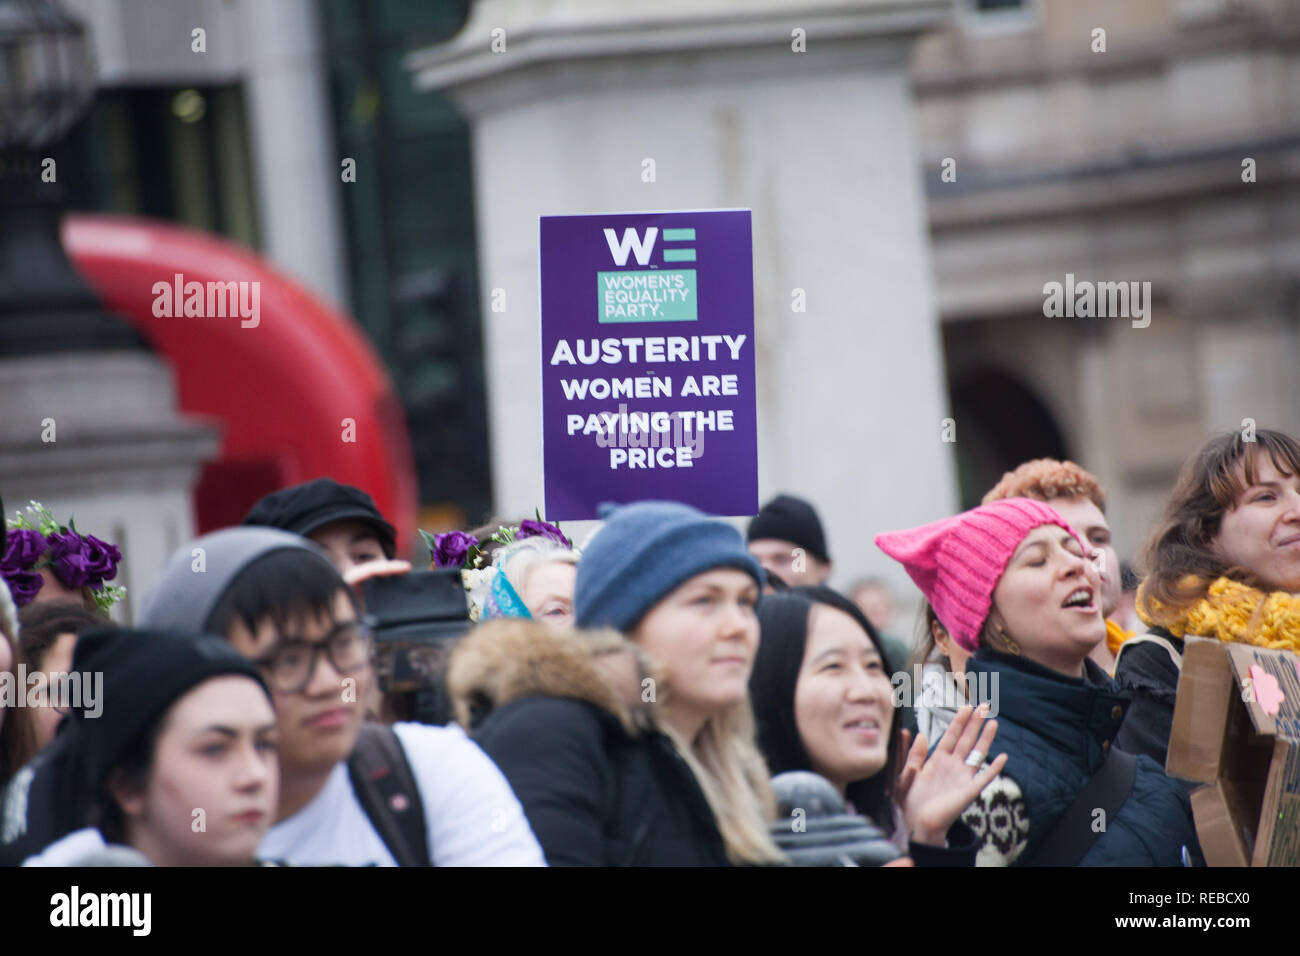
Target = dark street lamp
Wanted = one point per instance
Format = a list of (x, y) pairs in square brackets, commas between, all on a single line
[(47, 80)]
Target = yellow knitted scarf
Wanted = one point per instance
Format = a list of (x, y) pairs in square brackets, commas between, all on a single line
[(1232, 611), (1115, 636)]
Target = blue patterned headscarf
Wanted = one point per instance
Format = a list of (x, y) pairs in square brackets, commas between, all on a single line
[(503, 600)]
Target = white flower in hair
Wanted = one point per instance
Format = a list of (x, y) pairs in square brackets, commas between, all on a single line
[(477, 582)]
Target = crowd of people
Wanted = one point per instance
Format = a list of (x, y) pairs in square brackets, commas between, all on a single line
[(672, 693)]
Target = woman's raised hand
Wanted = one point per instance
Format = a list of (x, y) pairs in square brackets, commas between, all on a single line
[(934, 790)]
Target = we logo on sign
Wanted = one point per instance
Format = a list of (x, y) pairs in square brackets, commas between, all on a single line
[(639, 246)]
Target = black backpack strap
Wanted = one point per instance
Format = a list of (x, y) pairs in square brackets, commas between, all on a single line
[(385, 786), (1073, 833)]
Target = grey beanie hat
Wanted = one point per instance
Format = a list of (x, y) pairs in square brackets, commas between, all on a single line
[(196, 576)]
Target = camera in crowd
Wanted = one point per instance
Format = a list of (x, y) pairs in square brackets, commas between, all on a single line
[(416, 619)]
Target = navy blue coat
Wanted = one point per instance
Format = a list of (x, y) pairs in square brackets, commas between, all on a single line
[(1057, 731)]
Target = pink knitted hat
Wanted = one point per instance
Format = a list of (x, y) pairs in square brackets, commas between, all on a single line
[(956, 562)]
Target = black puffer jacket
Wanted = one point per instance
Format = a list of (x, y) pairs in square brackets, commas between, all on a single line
[(1147, 672), (599, 788), (1057, 732)]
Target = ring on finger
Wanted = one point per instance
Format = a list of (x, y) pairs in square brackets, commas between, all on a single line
[(976, 759)]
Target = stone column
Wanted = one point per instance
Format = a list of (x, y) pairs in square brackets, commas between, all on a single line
[(295, 159), (819, 144), (95, 436)]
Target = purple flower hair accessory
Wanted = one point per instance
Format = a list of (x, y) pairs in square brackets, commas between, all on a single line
[(68, 561), (101, 559), (533, 529), (77, 560), (23, 585), (24, 547), (451, 549)]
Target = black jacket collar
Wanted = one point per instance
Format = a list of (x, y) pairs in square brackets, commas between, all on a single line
[(1070, 712)]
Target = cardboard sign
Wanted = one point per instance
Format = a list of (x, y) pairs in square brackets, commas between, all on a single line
[(1237, 728), (648, 362)]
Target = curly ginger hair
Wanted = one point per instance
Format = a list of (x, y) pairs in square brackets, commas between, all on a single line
[(1046, 478)]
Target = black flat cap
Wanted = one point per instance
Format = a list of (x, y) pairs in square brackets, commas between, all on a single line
[(304, 508)]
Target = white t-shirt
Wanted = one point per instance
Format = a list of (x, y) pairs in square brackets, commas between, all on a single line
[(69, 850), (473, 817)]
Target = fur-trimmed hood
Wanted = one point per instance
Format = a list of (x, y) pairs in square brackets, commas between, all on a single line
[(508, 660)]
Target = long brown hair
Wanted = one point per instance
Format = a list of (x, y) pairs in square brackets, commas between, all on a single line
[(1181, 558), (924, 646)]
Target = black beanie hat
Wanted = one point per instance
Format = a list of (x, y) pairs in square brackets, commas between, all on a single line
[(792, 519), (304, 508), (143, 673)]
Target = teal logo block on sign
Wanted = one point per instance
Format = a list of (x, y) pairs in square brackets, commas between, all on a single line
[(679, 235), (652, 295)]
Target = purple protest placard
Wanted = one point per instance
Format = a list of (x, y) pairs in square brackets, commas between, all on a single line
[(648, 361)]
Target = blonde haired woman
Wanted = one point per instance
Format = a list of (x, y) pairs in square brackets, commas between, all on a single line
[(637, 753)]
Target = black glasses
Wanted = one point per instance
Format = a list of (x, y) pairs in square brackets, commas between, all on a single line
[(290, 667)]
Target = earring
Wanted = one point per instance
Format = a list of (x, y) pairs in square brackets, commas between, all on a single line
[(1011, 645)]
